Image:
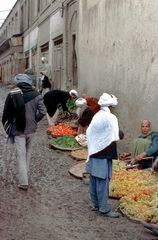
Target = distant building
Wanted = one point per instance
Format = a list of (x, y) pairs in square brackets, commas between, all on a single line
[(38, 28)]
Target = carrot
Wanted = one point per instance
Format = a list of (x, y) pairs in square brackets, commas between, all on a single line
[(62, 129)]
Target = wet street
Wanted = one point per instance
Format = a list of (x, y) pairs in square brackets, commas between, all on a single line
[(56, 205)]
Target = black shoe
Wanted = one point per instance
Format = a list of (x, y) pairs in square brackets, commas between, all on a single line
[(111, 214), (94, 209), (23, 187)]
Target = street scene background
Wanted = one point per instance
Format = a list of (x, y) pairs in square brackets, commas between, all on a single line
[(56, 205)]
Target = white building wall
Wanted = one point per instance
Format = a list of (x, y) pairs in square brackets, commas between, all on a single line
[(56, 24), (57, 29), (31, 39), (118, 53), (34, 37)]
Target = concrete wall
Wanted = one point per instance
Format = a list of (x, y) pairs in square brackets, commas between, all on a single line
[(31, 39), (57, 29), (118, 50)]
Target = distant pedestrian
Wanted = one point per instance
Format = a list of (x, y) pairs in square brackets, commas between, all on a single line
[(45, 76), (24, 108), (53, 99), (102, 134)]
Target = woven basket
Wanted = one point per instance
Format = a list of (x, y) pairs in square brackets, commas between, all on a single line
[(80, 154)]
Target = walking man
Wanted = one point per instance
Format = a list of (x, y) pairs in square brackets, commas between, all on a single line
[(24, 108)]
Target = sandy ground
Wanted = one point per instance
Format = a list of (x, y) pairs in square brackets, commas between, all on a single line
[(56, 206)]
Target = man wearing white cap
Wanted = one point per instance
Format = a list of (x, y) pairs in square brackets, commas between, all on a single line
[(53, 99), (102, 134), (45, 76)]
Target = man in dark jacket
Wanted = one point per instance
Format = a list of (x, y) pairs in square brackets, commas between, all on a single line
[(53, 99), (24, 108)]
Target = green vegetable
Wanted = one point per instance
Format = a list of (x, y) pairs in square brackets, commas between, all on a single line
[(66, 141), (71, 105)]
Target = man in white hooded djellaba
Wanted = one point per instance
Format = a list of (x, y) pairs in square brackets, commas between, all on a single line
[(102, 135)]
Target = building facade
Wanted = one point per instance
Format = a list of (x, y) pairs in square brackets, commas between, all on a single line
[(41, 28)]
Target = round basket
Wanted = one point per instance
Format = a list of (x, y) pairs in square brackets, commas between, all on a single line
[(80, 154), (78, 170), (135, 220), (63, 148)]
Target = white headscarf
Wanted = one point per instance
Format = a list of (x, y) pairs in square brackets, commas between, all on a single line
[(80, 102), (73, 92), (103, 129), (107, 100)]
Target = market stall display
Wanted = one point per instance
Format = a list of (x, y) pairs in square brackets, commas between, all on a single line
[(66, 142), (82, 139), (71, 105), (70, 115), (137, 191), (61, 129), (78, 169), (80, 154)]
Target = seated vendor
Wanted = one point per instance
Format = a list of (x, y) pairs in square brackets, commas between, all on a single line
[(146, 145)]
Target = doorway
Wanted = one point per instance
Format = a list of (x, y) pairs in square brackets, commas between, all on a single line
[(58, 62)]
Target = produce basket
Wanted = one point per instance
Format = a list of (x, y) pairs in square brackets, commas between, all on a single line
[(61, 129), (63, 148), (138, 193), (65, 143), (78, 170), (80, 154)]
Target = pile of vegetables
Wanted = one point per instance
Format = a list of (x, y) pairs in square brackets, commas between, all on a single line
[(71, 105), (138, 190), (65, 142), (66, 116), (62, 129)]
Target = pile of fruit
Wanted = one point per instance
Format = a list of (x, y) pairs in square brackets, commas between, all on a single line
[(138, 190), (61, 129)]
